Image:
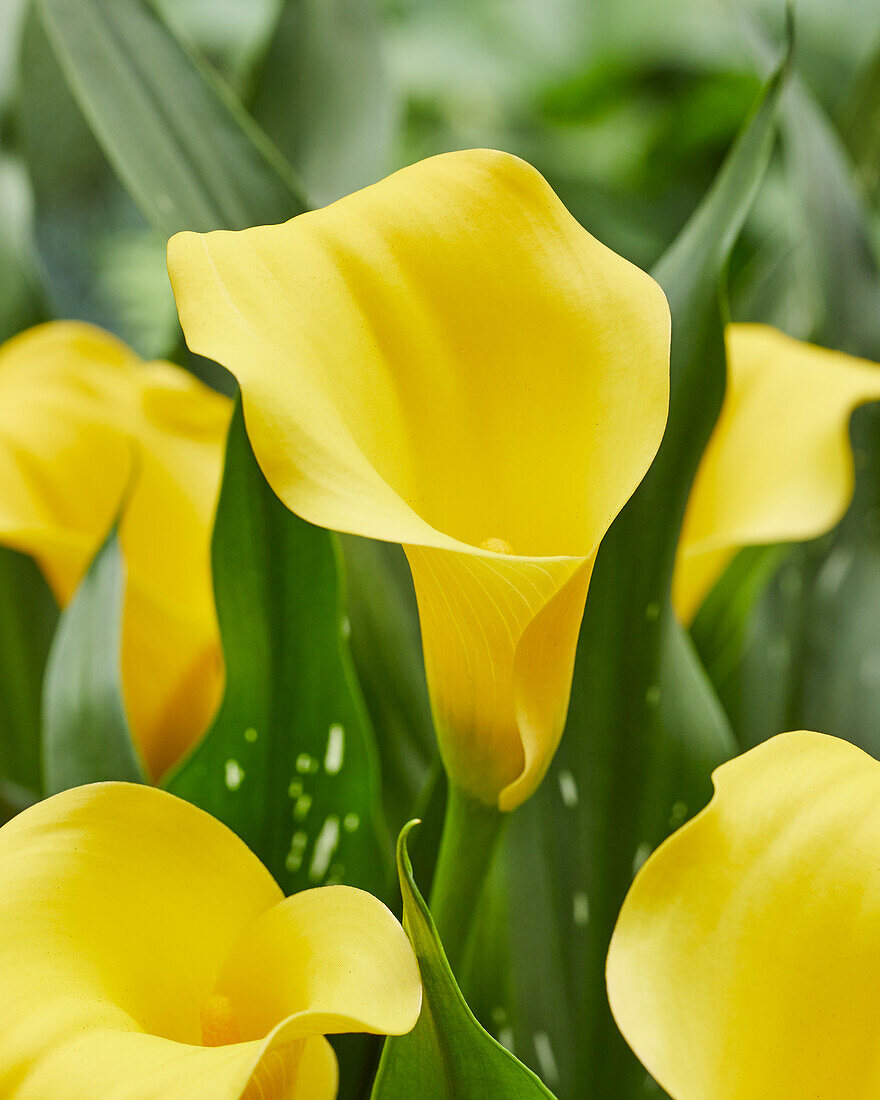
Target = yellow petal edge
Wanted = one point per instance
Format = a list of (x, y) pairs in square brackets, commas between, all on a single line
[(779, 464), (124, 910), (448, 360), (85, 425), (746, 959)]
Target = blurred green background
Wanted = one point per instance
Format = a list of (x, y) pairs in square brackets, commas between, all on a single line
[(626, 107)]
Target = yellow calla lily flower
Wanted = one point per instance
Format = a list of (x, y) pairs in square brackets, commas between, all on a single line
[(448, 360), (745, 963), (146, 953), (779, 465), (85, 427)]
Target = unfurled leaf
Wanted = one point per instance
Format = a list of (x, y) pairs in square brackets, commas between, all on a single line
[(85, 732), (448, 1056)]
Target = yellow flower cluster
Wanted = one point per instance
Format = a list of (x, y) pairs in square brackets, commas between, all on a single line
[(448, 361)]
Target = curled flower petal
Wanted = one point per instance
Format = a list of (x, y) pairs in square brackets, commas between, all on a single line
[(779, 465), (121, 907), (745, 962), (334, 959), (449, 361)]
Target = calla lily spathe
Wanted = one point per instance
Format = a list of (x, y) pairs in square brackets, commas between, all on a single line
[(146, 953), (746, 959), (448, 360), (779, 465), (87, 428)]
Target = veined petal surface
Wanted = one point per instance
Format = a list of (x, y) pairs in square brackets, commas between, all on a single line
[(779, 465), (499, 638), (448, 360), (746, 959), (87, 429)]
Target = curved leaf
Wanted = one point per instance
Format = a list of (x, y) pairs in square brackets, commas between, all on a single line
[(448, 1055), (85, 732)]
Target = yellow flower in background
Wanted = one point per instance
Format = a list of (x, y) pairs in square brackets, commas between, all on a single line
[(746, 959), (449, 361), (86, 426), (779, 465), (146, 953)]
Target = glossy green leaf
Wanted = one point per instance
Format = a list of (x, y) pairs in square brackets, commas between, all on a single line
[(448, 1055), (323, 96), (289, 763), (645, 728), (186, 150), (28, 616), (85, 732)]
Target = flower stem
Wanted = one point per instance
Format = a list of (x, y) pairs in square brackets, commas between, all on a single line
[(471, 832)]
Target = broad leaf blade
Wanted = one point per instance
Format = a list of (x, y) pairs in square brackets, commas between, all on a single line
[(448, 1055), (289, 763), (85, 732), (184, 147)]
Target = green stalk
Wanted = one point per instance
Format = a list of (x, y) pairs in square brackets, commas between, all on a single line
[(471, 833)]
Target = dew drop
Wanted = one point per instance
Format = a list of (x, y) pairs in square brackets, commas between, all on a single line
[(335, 751), (234, 775), (325, 846), (568, 789)]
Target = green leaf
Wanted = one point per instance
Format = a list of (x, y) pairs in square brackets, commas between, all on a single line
[(387, 649), (85, 732), (186, 150), (804, 653), (323, 95), (28, 616), (722, 623), (448, 1055), (645, 728), (101, 261), (289, 763), (860, 123)]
